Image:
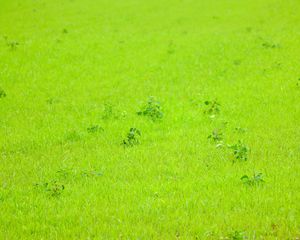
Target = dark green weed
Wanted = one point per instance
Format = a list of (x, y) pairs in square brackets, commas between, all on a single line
[(240, 151), (269, 45), (255, 180), (240, 130), (51, 101), (12, 44), (72, 174), (53, 188), (236, 235), (94, 129), (212, 108), (110, 112), (2, 93), (152, 109), (237, 62), (72, 136), (132, 138), (91, 173), (217, 137)]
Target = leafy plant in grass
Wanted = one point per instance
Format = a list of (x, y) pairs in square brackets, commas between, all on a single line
[(212, 108), (270, 45), (2, 93), (65, 173), (94, 129), (91, 173), (236, 235), (53, 188), (73, 136), (69, 173), (12, 44), (51, 101), (240, 151), (110, 112), (256, 179), (240, 130), (132, 138), (152, 109), (217, 137)]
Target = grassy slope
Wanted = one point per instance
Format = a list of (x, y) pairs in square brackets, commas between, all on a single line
[(176, 183)]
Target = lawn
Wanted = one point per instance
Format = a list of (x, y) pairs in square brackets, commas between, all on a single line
[(149, 119)]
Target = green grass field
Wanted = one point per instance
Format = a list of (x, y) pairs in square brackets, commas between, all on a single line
[(149, 119)]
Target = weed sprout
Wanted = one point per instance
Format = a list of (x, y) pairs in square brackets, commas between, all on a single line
[(255, 180), (54, 188), (110, 112), (152, 109), (2, 93), (240, 151), (94, 129), (236, 235), (132, 138), (217, 137), (212, 108)]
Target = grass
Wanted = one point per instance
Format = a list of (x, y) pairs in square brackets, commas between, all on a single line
[(74, 75)]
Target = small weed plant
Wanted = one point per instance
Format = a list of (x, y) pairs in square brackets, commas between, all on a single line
[(53, 188), (132, 138), (111, 113), (217, 137), (236, 235), (240, 151), (255, 180), (152, 109), (2, 93), (12, 44), (212, 108), (95, 129)]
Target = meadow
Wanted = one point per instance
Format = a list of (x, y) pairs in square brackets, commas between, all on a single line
[(149, 119)]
